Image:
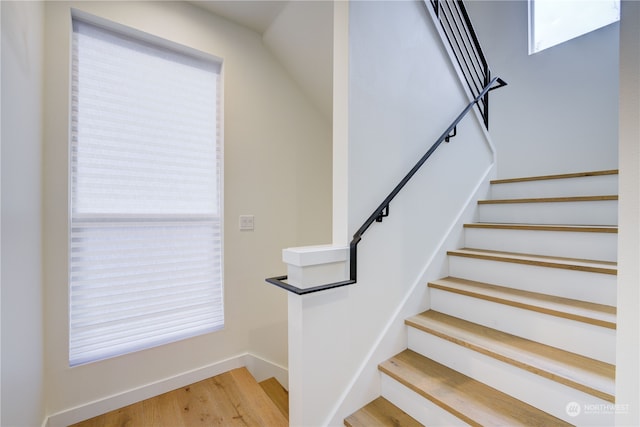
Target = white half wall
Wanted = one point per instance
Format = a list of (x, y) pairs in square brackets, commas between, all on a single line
[(560, 111), (23, 378), (277, 167), (403, 93)]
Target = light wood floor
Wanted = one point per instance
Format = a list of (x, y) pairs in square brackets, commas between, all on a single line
[(230, 399)]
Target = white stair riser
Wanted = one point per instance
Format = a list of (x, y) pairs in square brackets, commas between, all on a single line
[(584, 245), (540, 392), (567, 187), (589, 340), (421, 409), (601, 212), (585, 286)]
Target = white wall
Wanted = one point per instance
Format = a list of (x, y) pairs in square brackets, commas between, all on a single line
[(22, 320), (301, 37), (628, 332), (403, 93), (273, 138), (560, 110)]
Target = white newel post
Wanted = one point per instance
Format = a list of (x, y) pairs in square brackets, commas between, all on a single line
[(311, 266), (317, 333)]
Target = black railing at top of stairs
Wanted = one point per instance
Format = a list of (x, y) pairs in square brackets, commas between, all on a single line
[(382, 210), (465, 47)]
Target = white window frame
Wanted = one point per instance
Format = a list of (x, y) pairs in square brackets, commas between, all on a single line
[(202, 304), (552, 22)]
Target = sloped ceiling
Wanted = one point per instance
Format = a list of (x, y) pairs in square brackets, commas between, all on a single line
[(254, 14), (299, 33)]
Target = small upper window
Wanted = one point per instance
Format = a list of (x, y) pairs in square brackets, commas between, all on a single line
[(552, 22), (145, 239)]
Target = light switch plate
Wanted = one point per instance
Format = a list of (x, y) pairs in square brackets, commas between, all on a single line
[(247, 222)]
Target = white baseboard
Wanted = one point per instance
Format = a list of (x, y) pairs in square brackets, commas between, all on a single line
[(260, 368)]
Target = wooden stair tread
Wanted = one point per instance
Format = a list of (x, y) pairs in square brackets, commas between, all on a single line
[(248, 398), (592, 266), (380, 413), (544, 227), (556, 176), (468, 399), (550, 199), (581, 311), (277, 393), (582, 373)]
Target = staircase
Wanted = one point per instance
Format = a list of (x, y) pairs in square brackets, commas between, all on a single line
[(522, 332)]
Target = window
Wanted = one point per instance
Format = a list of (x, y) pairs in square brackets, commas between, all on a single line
[(145, 261), (552, 22)]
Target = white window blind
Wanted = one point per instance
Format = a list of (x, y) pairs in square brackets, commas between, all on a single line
[(145, 179)]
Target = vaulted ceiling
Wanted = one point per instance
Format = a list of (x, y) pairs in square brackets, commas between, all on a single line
[(254, 14), (299, 34)]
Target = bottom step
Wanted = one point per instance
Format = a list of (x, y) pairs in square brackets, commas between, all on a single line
[(380, 412), (472, 401), (278, 394)]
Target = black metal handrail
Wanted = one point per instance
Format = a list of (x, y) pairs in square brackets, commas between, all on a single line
[(382, 210), (458, 30)]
